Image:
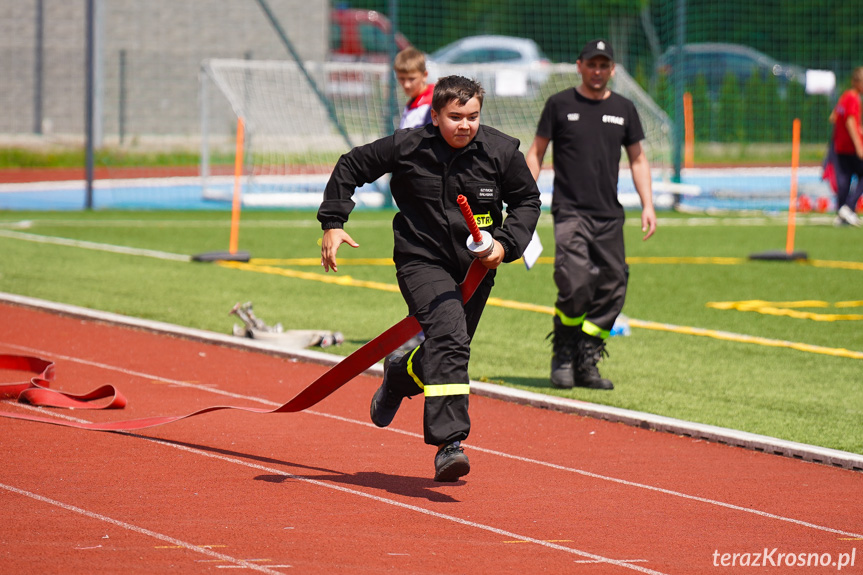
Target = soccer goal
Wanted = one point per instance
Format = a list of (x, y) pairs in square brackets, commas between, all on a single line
[(300, 119)]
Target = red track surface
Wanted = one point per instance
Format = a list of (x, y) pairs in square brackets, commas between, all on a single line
[(324, 491)]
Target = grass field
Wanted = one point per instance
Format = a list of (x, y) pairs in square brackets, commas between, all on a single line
[(788, 367)]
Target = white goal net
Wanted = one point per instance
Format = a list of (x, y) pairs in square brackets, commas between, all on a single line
[(299, 120)]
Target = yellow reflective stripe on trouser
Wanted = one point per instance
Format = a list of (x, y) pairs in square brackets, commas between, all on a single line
[(591, 328), (447, 389), (569, 321), (411, 369)]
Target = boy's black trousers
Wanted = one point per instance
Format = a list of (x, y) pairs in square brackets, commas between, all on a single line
[(438, 368)]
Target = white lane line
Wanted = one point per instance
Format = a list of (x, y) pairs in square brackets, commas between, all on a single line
[(667, 492), (42, 411), (582, 472), (94, 246), (141, 530)]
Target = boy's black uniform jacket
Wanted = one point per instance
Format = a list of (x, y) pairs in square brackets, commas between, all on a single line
[(427, 177)]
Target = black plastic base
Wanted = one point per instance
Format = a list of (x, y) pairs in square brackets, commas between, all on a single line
[(222, 256), (778, 255)]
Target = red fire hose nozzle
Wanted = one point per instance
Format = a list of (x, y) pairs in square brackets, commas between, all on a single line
[(479, 242)]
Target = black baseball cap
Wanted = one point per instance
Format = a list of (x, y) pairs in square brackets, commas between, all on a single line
[(598, 47)]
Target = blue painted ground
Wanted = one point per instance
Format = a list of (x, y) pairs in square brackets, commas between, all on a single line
[(728, 189)]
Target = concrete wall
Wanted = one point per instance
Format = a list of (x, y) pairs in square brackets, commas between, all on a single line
[(153, 48)]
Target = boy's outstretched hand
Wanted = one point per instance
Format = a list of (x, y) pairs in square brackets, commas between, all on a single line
[(330, 243)]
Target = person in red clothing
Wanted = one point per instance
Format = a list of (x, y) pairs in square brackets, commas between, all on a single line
[(848, 146)]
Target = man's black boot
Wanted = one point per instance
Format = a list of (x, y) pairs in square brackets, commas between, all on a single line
[(590, 351), (564, 345)]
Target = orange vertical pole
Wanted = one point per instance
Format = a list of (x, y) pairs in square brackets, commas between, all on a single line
[(689, 132), (238, 174), (792, 201)]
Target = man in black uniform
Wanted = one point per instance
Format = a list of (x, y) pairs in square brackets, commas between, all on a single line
[(589, 124), (431, 167)]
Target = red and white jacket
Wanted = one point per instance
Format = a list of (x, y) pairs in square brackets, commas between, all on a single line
[(417, 112)]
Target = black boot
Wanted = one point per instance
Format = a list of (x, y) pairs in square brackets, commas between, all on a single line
[(450, 463), (386, 400), (564, 342), (590, 352)]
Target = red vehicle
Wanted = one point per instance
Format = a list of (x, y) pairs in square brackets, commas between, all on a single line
[(362, 36)]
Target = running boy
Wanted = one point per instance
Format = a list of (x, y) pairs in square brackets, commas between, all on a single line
[(431, 167), (412, 76)]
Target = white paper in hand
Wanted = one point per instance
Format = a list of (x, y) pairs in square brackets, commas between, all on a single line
[(531, 253)]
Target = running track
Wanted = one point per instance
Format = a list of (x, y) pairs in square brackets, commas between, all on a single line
[(324, 491)]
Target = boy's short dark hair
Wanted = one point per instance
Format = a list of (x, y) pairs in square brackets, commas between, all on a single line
[(410, 60), (459, 88)]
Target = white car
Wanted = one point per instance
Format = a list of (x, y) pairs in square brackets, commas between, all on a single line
[(504, 65)]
